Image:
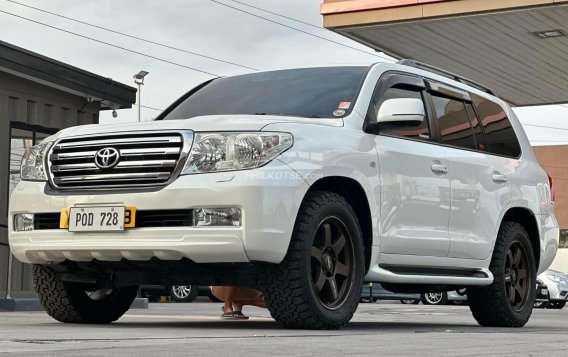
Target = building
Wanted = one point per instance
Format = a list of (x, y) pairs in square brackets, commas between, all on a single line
[(554, 160), (38, 97)]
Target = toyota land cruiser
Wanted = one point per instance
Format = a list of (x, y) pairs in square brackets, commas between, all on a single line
[(302, 183)]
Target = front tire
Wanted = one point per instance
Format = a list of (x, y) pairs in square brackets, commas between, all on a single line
[(508, 301), (70, 302), (318, 284)]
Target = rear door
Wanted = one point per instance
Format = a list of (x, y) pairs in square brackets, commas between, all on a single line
[(478, 177), (414, 186)]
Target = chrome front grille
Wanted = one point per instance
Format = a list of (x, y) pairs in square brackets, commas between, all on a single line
[(144, 159)]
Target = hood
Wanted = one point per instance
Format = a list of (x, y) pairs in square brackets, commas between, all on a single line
[(202, 123)]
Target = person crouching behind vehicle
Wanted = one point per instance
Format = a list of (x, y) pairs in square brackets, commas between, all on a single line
[(235, 297)]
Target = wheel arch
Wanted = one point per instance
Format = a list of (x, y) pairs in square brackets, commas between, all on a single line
[(526, 218), (354, 193)]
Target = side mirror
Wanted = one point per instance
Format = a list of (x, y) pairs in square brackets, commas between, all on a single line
[(410, 110)]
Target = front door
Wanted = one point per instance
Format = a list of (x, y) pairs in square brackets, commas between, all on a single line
[(414, 186)]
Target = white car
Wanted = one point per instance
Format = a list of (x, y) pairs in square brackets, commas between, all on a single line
[(557, 284), (302, 183)]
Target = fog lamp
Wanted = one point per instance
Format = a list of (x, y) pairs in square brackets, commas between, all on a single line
[(217, 217), (23, 222)]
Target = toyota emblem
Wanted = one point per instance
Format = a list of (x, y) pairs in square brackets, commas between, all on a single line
[(107, 158)]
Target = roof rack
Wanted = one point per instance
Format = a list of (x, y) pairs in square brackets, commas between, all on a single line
[(443, 72)]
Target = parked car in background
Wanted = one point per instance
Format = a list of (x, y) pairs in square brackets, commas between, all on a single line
[(442, 298), (372, 292), (178, 293), (542, 298), (557, 284)]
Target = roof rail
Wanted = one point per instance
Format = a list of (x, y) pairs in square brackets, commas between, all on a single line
[(443, 72)]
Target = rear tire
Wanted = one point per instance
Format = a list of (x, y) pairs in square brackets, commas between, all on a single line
[(70, 302), (440, 298), (508, 301), (318, 284), (183, 293)]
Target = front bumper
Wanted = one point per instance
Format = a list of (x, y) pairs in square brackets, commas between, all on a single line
[(558, 292), (269, 198)]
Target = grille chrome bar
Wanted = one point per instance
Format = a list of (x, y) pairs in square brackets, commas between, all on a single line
[(124, 141), (147, 159), (113, 177), (123, 152), (121, 165)]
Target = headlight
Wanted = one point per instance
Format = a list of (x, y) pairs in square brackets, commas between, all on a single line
[(216, 152), (33, 167)]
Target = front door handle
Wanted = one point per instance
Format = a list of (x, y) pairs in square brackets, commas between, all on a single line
[(499, 178), (439, 169)]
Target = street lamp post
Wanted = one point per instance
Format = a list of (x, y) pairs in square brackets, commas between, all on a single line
[(139, 79)]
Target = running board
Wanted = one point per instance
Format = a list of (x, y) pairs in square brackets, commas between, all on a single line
[(421, 275)]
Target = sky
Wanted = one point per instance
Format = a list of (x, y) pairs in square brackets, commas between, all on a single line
[(208, 28)]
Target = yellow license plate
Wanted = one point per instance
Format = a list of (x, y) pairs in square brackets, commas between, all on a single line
[(129, 217)]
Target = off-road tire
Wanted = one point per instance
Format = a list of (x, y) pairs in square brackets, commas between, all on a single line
[(489, 304), (69, 302), (288, 287)]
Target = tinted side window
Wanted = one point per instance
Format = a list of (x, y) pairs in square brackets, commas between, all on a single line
[(453, 121), (498, 129), (479, 136), (407, 130)]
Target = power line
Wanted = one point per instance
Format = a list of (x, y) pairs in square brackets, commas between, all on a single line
[(132, 36), (110, 44), (300, 30), (274, 13), (160, 110)]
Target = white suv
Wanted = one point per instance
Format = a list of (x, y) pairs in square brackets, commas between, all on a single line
[(303, 183)]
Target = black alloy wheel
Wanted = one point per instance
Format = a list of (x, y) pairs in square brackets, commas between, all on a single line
[(508, 301), (516, 278), (332, 263)]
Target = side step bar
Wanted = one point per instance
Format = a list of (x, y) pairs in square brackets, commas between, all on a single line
[(421, 275)]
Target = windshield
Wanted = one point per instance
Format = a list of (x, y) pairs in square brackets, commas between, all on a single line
[(312, 92)]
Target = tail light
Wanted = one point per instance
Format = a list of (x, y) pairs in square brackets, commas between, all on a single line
[(552, 192)]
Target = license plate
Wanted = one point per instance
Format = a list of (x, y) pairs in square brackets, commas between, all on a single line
[(96, 219), (129, 217)]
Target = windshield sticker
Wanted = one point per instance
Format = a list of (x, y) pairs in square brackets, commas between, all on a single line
[(344, 105), (339, 112)]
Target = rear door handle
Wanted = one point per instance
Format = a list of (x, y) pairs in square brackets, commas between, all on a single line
[(499, 178), (439, 169)]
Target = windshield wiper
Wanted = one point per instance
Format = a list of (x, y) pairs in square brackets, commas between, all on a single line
[(290, 115)]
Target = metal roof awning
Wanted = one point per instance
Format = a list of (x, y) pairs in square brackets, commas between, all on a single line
[(47, 71), (518, 48)]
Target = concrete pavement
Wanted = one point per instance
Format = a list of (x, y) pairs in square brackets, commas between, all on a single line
[(195, 329)]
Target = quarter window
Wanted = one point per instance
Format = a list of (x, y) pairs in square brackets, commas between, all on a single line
[(419, 131), (455, 128), (498, 129)]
